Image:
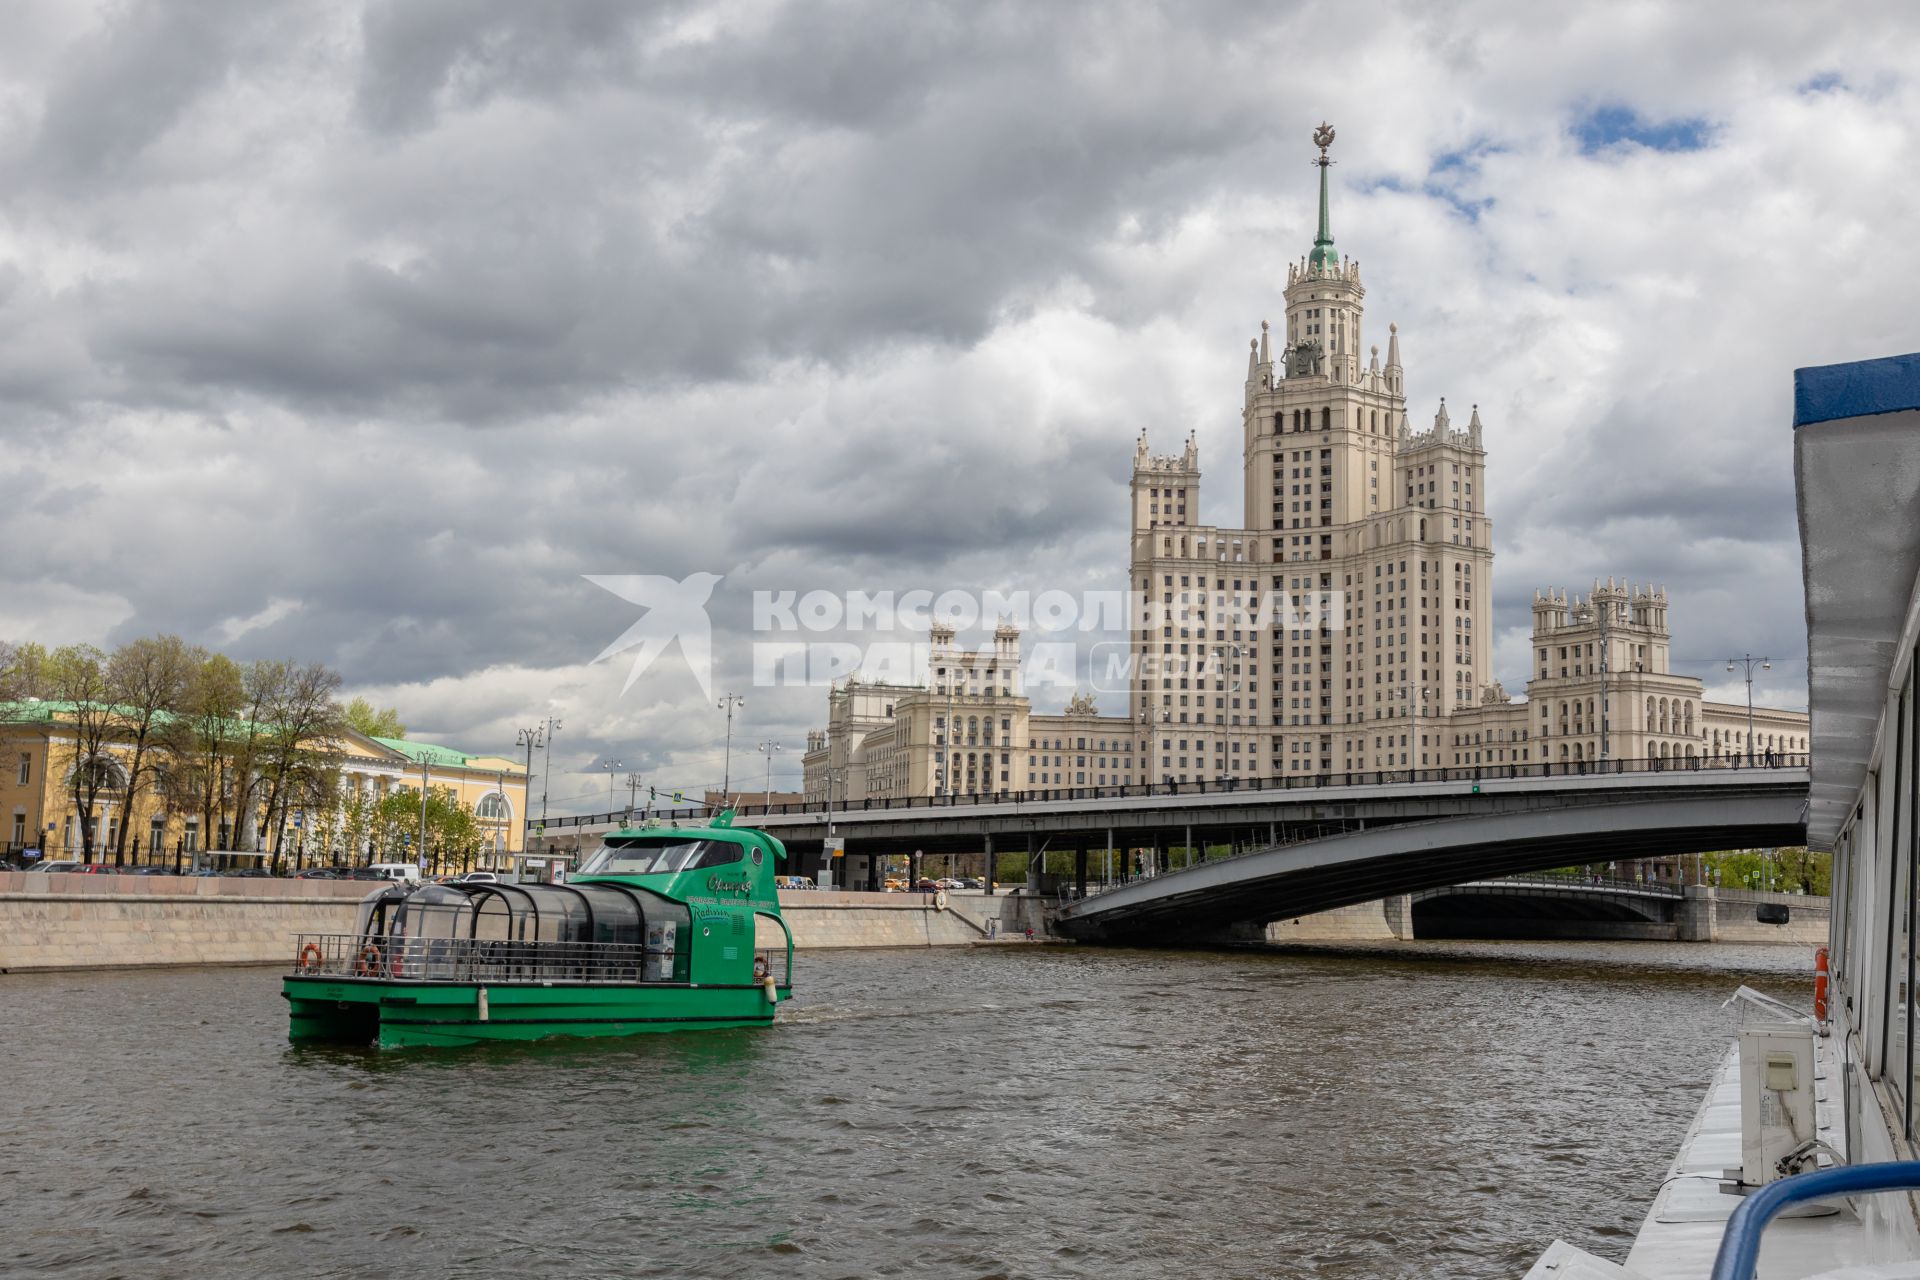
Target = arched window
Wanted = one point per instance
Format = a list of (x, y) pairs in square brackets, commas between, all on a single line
[(102, 771), (1326, 419), (493, 807)]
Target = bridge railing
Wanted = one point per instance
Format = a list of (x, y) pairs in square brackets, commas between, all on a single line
[(1222, 786), (1563, 880)]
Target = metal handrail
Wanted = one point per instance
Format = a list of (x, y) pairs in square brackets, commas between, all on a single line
[(1658, 888), (1219, 786), (1739, 1254), (494, 961)]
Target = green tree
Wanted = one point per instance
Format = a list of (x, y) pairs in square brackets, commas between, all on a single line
[(375, 722), (453, 833), (297, 762), (77, 676), (199, 742), (1784, 869), (146, 683), (24, 672)]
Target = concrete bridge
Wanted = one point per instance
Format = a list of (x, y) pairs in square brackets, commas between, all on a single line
[(1325, 842), (1516, 829)]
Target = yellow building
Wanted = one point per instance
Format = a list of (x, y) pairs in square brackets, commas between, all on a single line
[(38, 808)]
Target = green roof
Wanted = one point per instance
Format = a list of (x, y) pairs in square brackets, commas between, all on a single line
[(425, 752)]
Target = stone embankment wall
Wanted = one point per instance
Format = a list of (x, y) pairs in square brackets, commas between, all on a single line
[(1387, 920), (821, 918), (63, 921), (109, 922), (1733, 915)]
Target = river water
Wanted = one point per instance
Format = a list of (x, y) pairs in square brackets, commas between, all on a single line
[(1424, 1109)]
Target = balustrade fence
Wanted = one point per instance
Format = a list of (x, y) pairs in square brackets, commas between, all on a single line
[(1217, 786)]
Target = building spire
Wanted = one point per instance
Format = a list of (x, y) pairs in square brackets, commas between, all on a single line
[(1324, 257)]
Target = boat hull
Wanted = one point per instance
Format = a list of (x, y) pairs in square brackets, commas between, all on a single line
[(398, 1014)]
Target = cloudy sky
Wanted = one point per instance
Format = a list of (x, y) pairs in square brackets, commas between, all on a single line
[(360, 334)]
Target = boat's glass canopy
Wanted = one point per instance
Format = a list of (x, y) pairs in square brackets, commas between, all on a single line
[(536, 913), (646, 855)]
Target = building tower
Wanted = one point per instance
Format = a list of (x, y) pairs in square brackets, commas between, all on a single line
[(1373, 539)]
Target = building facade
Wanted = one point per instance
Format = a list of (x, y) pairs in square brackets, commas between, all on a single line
[(1345, 627), (38, 810)]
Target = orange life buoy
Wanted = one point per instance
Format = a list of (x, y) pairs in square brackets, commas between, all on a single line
[(1820, 984), (311, 957), (367, 965)]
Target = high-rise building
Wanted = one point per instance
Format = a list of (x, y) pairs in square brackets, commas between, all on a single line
[(1372, 539), (1345, 628)]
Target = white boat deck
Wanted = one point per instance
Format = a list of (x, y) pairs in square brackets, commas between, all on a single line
[(1682, 1230)]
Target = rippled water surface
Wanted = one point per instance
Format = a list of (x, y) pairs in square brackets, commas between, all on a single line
[(1431, 1110)]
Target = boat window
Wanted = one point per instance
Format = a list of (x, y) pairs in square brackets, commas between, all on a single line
[(654, 856), (436, 911)]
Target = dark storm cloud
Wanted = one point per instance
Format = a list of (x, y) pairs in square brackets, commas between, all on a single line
[(846, 178), (861, 295), (126, 83)]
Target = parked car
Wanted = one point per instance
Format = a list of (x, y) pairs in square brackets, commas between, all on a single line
[(926, 884), (93, 869), (794, 882), (477, 877), (973, 882), (362, 873), (54, 866), (398, 872), (316, 873)]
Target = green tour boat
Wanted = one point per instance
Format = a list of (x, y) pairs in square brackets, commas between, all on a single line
[(657, 932)]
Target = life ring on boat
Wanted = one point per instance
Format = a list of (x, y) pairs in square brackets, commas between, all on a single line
[(939, 899), (367, 963), (311, 957), (1820, 984)]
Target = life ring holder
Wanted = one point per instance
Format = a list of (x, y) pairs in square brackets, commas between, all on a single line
[(367, 963), (761, 969), (939, 899), (311, 958)]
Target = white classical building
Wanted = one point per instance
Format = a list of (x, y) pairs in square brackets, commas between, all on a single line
[(1345, 627)]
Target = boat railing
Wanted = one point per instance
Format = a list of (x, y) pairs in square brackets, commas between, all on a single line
[(1739, 1254), (483, 960)]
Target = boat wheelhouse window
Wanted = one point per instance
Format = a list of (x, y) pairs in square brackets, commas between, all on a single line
[(648, 857)]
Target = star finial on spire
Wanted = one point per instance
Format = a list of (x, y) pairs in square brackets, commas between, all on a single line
[(1324, 256)]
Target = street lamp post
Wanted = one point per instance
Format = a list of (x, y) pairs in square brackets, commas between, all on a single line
[(633, 791), (426, 780), (769, 749), (553, 726), (1221, 653), (1748, 662), (727, 703), (612, 767), (529, 738), (1606, 666)]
